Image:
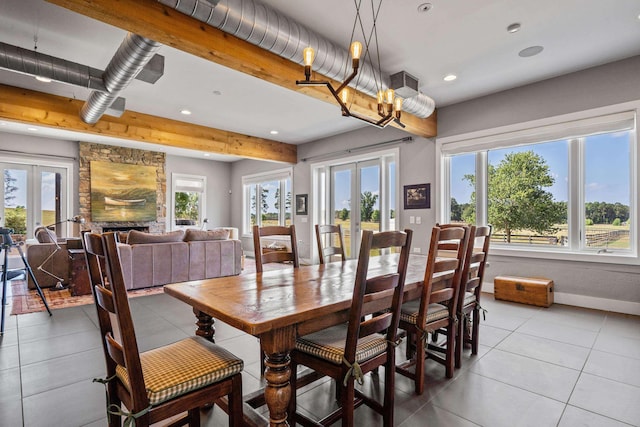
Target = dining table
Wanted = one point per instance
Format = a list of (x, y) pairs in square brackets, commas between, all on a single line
[(278, 306)]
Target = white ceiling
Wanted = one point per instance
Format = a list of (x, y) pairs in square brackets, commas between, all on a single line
[(466, 38)]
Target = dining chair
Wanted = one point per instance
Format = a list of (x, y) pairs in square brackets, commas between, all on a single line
[(436, 308), (160, 383), (331, 236), (469, 297), (348, 351), (264, 255)]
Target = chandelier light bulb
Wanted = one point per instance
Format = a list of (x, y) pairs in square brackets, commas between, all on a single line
[(398, 104), (380, 97), (389, 95), (356, 50), (308, 55), (344, 95)]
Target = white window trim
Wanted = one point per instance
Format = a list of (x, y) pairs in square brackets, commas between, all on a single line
[(203, 199), (614, 114), (257, 178)]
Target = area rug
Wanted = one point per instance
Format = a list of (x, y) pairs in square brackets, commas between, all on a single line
[(25, 300)]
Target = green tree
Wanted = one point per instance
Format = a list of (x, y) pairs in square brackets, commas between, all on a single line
[(367, 202), (616, 222), (16, 219), (517, 199), (375, 216), (456, 210), (344, 214), (9, 188), (187, 205)]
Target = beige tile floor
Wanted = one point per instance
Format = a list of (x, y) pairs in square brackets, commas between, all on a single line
[(561, 366)]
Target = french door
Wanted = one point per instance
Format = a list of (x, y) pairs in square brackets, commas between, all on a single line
[(33, 195), (362, 197)]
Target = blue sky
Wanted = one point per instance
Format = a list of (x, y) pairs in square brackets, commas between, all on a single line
[(48, 189), (606, 168), (370, 181)]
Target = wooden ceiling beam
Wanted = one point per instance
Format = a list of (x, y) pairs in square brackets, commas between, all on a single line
[(165, 25), (27, 106)]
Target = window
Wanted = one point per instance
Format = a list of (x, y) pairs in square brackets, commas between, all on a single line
[(564, 188), (267, 199), (188, 200)]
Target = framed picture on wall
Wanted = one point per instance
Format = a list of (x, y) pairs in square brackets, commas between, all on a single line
[(417, 196), (301, 204)]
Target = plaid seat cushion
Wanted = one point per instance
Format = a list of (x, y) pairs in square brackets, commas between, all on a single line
[(181, 367), (469, 298), (328, 344), (409, 312)]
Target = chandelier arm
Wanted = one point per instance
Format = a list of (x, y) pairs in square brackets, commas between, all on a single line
[(345, 109), (346, 82)]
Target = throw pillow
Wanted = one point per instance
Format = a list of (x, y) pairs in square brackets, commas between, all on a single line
[(193, 235), (136, 237)]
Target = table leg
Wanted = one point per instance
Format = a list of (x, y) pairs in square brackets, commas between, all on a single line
[(205, 325), (277, 393)]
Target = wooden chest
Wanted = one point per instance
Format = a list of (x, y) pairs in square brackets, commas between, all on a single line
[(527, 290)]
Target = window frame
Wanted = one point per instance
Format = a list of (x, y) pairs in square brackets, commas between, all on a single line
[(281, 175), (571, 127), (202, 208)]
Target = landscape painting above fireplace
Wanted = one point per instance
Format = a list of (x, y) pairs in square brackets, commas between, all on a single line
[(122, 192)]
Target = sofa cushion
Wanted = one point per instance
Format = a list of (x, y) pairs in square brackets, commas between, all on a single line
[(193, 235), (136, 237)]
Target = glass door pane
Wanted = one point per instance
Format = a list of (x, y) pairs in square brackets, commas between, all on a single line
[(369, 194), (15, 200), (342, 185)]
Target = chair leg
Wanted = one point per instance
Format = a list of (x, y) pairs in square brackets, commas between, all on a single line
[(236, 418), (475, 330), (389, 389), (112, 397), (451, 343), (194, 417), (348, 397), (459, 341), (293, 382), (420, 355)]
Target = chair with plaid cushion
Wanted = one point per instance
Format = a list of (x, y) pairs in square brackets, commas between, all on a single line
[(161, 383), (348, 351), (437, 307), (330, 242)]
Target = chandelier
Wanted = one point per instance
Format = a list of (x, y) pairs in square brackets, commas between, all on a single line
[(389, 105)]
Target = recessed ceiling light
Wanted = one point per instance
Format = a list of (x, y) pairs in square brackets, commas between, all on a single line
[(207, 154), (274, 132), (425, 7), (32, 129), (513, 28), (185, 112), (450, 77), (530, 51), (43, 79), (3, 124)]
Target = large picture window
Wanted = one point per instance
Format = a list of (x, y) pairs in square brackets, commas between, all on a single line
[(267, 199), (188, 200), (561, 188)]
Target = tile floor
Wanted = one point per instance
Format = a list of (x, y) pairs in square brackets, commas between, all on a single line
[(560, 366)]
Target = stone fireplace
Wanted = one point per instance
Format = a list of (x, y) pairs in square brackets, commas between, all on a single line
[(107, 153)]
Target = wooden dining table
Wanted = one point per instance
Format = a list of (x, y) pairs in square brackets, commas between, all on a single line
[(278, 306)]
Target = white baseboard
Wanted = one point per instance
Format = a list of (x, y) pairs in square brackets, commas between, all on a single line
[(604, 304)]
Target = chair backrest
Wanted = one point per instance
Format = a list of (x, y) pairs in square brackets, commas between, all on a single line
[(475, 260), (335, 247), (376, 288), (116, 324), (263, 257), (443, 275), (44, 235)]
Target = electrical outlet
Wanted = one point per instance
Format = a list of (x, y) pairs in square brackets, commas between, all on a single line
[(417, 250), (412, 220), (418, 220)]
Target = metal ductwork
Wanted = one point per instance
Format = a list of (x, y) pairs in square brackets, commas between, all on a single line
[(38, 64), (267, 28), (132, 55)]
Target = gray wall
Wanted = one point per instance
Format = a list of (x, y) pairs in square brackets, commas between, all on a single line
[(609, 84), (218, 186)]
